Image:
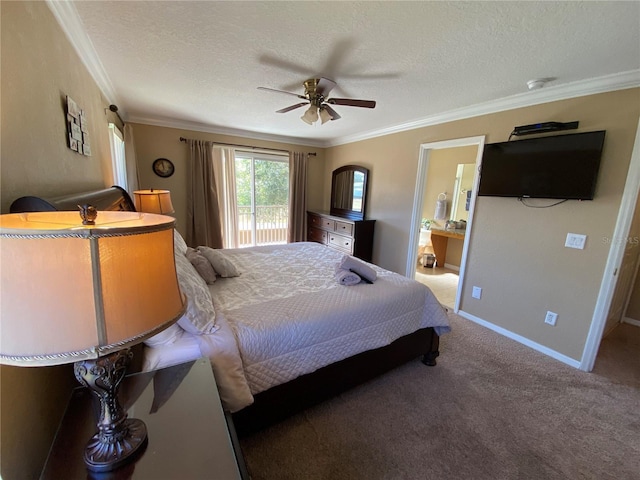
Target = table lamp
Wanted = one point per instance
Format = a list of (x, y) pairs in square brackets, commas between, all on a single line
[(84, 290), (153, 201)]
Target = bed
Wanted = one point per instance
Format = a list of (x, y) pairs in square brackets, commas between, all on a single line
[(280, 332)]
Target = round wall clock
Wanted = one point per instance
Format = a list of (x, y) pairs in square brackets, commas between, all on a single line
[(163, 167)]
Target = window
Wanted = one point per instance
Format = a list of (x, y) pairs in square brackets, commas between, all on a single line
[(118, 162), (262, 189)]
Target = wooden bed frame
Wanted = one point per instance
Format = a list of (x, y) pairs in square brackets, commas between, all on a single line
[(114, 198), (281, 401)]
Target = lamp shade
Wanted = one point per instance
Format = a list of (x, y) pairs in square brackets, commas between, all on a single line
[(325, 116), (72, 292), (311, 115), (153, 201)]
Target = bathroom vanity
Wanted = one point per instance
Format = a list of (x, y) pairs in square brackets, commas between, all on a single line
[(440, 240)]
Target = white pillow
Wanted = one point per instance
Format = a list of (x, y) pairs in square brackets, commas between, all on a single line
[(220, 262), (166, 337), (179, 245), (199, 317)]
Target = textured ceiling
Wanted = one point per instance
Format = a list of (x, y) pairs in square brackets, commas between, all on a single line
[(199, 63)]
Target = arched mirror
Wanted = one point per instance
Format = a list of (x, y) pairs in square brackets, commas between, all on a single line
[(349, 192)]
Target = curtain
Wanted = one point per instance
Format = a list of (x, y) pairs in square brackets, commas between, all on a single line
[(203, 212), (131, 162), (297, 197), (224, 160)]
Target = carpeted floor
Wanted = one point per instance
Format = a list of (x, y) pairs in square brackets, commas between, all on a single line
[(492, 409)]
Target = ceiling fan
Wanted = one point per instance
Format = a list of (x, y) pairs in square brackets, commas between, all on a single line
[(316, 93)]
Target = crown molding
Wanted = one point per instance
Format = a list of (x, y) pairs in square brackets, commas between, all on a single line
[(67, 16), (608, 83), (200, 127)]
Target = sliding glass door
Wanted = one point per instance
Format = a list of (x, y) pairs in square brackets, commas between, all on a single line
[(262, 186)]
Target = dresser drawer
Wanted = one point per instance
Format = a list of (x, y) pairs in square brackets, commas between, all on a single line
[(344, 228), (354, 237), (343, 243), (322, 222), (317, 235), (314, 220)]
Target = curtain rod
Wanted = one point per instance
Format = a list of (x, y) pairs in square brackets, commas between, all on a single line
[(313, 154)]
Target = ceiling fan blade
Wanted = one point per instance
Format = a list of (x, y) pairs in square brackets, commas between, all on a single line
[(292, 107), (325, 86), (351, 102), (272, 61), (282, 91), (332, 112)]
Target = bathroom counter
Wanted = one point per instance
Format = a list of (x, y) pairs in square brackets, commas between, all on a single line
[(440, 239), (457, 233)]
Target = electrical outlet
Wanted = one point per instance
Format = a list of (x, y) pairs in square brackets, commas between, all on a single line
[(575, 240), (551, 318), (476, 293)]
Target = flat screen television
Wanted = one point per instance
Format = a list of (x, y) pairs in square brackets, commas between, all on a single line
[(559, 166)]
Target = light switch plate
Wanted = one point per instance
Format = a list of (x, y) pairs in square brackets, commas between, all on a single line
[(575, 240), (551, 318), (476, 292)]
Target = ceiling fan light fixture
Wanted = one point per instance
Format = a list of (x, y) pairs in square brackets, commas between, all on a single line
[(311, 115), (325, 116), (316, 91)]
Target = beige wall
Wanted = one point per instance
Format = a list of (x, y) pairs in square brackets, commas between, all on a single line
[(153, 142), (633, 309), (516, 254), (39, 68)]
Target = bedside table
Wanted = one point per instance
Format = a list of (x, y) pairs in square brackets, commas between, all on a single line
[(189, 437)]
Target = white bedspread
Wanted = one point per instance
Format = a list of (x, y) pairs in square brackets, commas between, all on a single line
[(290, 317)]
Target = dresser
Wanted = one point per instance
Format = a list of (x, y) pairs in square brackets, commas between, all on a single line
[(354, 237)]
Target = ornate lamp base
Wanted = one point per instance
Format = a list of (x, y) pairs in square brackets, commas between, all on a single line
[(105, 454), (118, 438)]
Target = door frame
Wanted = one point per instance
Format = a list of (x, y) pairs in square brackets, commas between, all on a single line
[(418, 198), (614, 259)]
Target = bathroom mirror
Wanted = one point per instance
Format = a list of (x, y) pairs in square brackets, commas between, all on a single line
[(349, 192), (462, 192)]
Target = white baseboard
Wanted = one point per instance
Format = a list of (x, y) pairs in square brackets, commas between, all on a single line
[(452, 267), (520, 339), (631, 321)]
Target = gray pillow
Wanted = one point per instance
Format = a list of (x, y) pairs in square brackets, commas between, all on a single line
[(220, 262), (202, 265)]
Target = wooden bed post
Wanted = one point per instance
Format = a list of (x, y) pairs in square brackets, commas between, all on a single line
[(429, 358)]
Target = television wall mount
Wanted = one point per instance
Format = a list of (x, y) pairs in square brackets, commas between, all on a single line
[(544, 127)]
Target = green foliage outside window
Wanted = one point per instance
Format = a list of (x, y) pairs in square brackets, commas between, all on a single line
[(272, 182)]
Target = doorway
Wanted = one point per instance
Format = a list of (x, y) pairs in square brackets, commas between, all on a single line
[(443, 276), (611, 277)]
